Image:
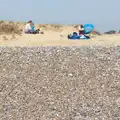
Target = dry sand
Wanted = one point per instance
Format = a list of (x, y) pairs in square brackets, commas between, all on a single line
[(53, 35), (51, 38)]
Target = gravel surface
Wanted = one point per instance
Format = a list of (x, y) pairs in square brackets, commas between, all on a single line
[(60, 83)]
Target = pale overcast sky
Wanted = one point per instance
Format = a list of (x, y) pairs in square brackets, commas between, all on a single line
[(104, 14)]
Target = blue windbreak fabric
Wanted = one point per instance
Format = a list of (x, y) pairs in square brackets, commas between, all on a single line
[(88, 28)]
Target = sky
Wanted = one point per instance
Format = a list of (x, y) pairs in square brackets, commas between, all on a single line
[(104, 14)]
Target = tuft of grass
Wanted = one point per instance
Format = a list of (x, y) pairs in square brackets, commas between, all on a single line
[(9, 28), (54, 27), (5, 38)]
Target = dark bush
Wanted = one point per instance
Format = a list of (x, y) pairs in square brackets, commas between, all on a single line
[(110, 32)]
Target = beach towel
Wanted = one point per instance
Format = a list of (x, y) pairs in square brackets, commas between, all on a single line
[(75, 36)]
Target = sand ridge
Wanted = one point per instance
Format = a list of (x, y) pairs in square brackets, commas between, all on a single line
[(53, 35)]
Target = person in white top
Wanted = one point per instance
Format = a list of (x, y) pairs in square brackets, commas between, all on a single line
[(28, 27)]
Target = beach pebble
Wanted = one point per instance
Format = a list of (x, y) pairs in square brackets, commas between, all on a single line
[(64, 83), (71, 75)]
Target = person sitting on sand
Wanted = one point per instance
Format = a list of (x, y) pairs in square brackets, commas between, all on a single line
[(81, 31), (30, 28)]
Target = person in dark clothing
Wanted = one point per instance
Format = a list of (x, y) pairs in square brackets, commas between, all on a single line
[(81, 30)]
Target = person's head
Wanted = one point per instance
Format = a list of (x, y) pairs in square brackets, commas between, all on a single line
[(30, 22), (81, 26)]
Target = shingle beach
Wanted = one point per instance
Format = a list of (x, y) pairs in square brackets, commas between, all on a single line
[(60, 83)]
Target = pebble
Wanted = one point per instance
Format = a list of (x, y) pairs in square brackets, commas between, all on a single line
[(81, 82)]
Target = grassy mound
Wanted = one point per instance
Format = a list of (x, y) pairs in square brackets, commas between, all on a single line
[(9, 28)]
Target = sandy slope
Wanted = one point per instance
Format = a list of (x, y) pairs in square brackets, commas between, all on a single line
[(54, 37)]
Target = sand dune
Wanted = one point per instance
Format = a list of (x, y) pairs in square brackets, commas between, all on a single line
[(53, 35)]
